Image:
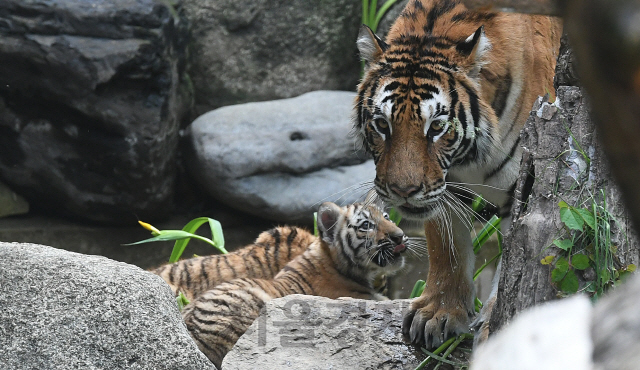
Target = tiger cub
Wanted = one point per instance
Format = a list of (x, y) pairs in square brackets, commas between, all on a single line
[(262, 260), (356, 243)]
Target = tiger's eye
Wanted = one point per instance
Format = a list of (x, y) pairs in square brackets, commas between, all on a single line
[(437, 125), (382, 124)]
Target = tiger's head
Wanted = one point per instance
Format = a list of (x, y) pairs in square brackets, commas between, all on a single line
[(419, 109), (362, 239)]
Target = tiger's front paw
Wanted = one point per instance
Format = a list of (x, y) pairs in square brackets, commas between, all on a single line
[(433, 318)]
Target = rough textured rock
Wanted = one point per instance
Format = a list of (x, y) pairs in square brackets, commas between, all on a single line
[(570, 334), (305, 332), (91, 99), (552, 336), (248, 50), (62, 310), (281, 159), (11, 203), (615, 328)]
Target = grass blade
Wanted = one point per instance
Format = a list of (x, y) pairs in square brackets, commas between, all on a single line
[(192, 227), (488, 229), (417, 288)]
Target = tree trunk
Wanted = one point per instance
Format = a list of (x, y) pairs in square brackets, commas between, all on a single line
[(562, 161)]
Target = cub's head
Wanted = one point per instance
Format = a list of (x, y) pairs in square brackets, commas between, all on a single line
[(362, 239), (419, 109)]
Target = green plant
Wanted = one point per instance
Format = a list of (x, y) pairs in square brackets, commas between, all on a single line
[(182, 301), (182, 237), (586, 245), (448, 347), (371, 15)]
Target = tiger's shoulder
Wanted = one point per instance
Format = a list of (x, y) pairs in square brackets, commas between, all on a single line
[(262, 259)]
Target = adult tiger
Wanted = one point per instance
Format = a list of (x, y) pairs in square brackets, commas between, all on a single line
[(442, 102)]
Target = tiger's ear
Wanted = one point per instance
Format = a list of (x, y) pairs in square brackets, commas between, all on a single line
[(328, 215), (475, 47), (370, 46)]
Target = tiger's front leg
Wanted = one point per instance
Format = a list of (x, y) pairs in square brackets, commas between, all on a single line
[(447, 303)]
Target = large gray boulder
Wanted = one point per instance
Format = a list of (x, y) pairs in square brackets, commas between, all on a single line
[(570, 334), (281, 159), (91, 99), (63, 310), (254, 50), (312, 333)]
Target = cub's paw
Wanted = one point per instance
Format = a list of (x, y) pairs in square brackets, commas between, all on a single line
[(431, 320)]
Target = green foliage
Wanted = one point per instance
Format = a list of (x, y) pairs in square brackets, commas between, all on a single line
[(491, 227), (587, 246), (395, 216), (418, 288), (315, 223), (182, 301), (182, 237), (371, 15), (447, 347)]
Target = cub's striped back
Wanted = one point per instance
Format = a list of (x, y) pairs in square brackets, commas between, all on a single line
[(263, 259), (357, 243)]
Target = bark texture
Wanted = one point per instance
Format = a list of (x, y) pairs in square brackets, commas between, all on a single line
[(563, 161)]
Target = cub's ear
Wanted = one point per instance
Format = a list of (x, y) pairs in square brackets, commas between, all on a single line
[(328, 215), (370, 46), (475, 47)]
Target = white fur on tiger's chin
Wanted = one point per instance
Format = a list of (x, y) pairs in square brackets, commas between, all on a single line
[(554, 336)]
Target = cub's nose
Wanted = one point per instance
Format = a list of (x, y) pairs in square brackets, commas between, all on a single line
[(397, 238)]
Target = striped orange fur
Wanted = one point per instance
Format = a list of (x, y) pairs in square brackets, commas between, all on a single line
[(263, 259), (356, 244), (440, 108)]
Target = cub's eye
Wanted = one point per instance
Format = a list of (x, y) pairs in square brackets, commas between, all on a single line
[(366, 226), (386, 216)]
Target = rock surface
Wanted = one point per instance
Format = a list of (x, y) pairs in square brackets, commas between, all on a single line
[(11, 203), (570, 335), (615, 328), (306, 332), (62, 310), (91, 99), (281, 159), (551, 336), (248, 50)]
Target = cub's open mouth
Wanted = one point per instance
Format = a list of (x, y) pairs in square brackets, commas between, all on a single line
[(399, 249)]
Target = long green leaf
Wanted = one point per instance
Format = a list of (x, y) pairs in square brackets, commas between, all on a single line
[(417, 288), (365, 12), (166, 235), (372, 13), (383, 9), (192, 227), (488, 229)]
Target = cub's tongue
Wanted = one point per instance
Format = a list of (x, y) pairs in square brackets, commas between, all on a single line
[(399, 248)]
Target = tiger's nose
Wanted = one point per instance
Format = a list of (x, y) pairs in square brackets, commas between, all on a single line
[(404, 192)]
